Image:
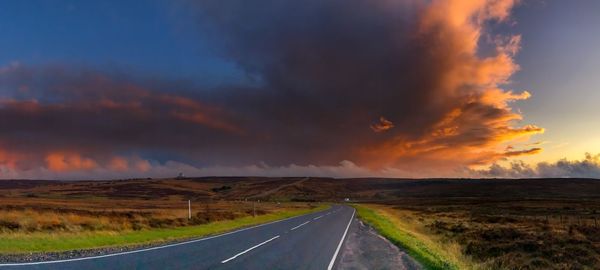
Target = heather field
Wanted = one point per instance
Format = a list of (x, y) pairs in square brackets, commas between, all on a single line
[(49, 217), (490, 233), (443, 223)]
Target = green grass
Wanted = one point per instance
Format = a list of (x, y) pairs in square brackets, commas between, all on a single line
[(419, 250), (47, 242)]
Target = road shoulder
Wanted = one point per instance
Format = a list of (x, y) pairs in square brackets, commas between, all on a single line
[(364, 248)]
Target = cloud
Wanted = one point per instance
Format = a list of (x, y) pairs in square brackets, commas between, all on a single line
[(73, 120), (150, 168), (136, 167), (68, 162), (531, 151), (589, 167), (382, 125), (328, 68), (323, 70)]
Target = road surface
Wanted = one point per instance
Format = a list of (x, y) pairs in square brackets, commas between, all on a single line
[(310, 241)]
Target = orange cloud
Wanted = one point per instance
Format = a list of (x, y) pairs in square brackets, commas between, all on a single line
[(9, 159), (118, 164), (474, 129), (382, 125), (142, 165), (62, 162)]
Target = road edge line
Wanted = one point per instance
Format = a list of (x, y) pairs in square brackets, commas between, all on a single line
[(337, 250)]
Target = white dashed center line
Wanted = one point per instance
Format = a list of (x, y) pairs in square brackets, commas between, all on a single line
[(318, 217), (247, 250), (299, 225)]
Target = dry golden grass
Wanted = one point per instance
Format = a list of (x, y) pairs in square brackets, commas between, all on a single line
[(28, 215), (19, 242), (58, 222), (503, 234), (41, 216), (54, 206), (403, 228)]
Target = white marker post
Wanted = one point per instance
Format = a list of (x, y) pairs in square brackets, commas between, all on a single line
[(189, 209)]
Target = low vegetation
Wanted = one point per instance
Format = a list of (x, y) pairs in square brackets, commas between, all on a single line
[(52, 219), (422, 248), (493, 233), (77, 216), (444, 223), (15, 242)]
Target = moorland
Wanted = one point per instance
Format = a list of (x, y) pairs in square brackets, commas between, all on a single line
[(444, 223)]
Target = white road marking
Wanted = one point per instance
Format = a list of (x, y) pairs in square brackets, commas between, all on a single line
[(245, 251), (318, 217), (341, 242), (299, 225), (145, 249)]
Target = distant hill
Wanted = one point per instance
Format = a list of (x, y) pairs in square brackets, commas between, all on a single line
[(306, 189)]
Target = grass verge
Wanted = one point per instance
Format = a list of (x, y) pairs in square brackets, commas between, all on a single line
[(54, 242), (430, 255)]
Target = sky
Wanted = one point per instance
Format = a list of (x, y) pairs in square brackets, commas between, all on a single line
[(337, 88)]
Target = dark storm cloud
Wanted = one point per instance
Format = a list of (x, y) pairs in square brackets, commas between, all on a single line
[(330, 69), (330, 76)]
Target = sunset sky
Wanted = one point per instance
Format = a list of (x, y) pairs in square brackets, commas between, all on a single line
[(342, 88)]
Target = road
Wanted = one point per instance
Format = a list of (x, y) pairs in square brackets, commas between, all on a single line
[(310, 241)]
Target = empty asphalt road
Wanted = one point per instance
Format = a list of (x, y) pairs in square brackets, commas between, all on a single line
[(311, 241)]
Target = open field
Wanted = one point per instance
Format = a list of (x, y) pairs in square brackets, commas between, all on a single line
[(492, 233), (98, 214), (57, 216), (464, 224), (299, 189), (52, 241)]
